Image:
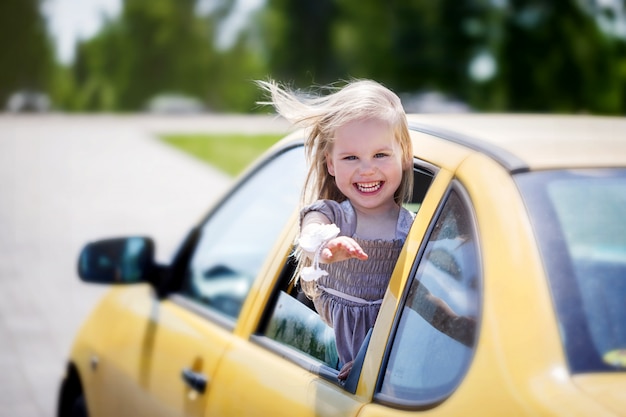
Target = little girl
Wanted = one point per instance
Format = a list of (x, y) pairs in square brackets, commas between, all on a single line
[(352, 224)]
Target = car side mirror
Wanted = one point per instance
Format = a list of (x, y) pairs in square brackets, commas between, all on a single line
[(117, 261)]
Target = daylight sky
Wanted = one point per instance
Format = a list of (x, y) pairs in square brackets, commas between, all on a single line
[(71, 20)]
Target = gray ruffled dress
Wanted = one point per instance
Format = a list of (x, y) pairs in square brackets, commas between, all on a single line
[(348, 298)]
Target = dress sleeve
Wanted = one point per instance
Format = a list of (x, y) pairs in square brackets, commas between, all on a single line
[(405, 220), (333, 211)]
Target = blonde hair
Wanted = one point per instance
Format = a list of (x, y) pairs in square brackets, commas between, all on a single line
[(322, 115)]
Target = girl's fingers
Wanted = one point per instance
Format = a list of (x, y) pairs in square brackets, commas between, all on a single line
[(343, 248), (326, 254)]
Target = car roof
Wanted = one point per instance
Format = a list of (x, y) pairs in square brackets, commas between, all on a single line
[(533, 142)]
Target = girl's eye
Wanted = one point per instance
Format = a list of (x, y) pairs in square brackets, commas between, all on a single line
[(349, 158), (380, 155)]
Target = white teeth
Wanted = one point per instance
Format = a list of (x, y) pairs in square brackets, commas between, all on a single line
[(368, 187)]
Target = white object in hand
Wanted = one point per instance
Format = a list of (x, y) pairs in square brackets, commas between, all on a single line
[(313, 240)]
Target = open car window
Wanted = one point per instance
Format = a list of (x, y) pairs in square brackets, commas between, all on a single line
[(300, 327), (294, 327)]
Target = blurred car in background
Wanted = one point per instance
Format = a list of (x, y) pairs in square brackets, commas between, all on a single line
[(28, 101), (519, 227), (432, 102), (175, 104)]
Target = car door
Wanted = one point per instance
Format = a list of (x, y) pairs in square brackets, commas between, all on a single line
[(213, 284), (287, 364), (263, 375)]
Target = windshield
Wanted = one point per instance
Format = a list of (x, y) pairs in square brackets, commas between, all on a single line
[(579, 218)]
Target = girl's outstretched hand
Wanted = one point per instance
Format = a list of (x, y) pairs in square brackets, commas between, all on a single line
[(340, 249)]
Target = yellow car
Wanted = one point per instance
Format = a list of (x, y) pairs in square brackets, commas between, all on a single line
[(520, 228)]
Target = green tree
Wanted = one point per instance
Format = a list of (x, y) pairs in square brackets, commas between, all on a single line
[(554, 58), (363, 39), (235, 71), (100, 71), (168, 48), (26, 57), (299, 40), (237, 64), (547, 56), (156, 46), (539, 55), (407, 45)]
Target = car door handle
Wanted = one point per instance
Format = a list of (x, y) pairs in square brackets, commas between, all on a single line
[(194, 380)]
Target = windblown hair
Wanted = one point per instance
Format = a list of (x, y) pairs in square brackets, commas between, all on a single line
[(322, 115)]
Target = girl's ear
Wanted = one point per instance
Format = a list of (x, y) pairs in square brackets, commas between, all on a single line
[(330, 165)]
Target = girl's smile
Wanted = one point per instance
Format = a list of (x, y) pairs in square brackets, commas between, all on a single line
[(370, 187)]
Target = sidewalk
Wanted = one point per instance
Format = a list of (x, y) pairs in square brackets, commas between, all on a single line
[(65, 180)]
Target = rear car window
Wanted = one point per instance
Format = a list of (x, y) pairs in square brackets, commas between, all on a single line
[(580, 224)]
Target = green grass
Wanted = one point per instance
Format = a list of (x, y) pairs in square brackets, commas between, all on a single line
[(230, 153)]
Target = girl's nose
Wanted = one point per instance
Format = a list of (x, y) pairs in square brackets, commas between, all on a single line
[(367, 167)]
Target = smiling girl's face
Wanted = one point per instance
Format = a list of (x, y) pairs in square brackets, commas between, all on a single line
[(366, 162)]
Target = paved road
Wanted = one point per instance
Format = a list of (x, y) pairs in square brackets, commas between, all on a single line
[(65, 180)]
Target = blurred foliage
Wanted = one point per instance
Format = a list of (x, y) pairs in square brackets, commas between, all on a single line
[(567, 64), (26, 53), (495, 55), (231, 153), (156, 46), (299, 40)]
